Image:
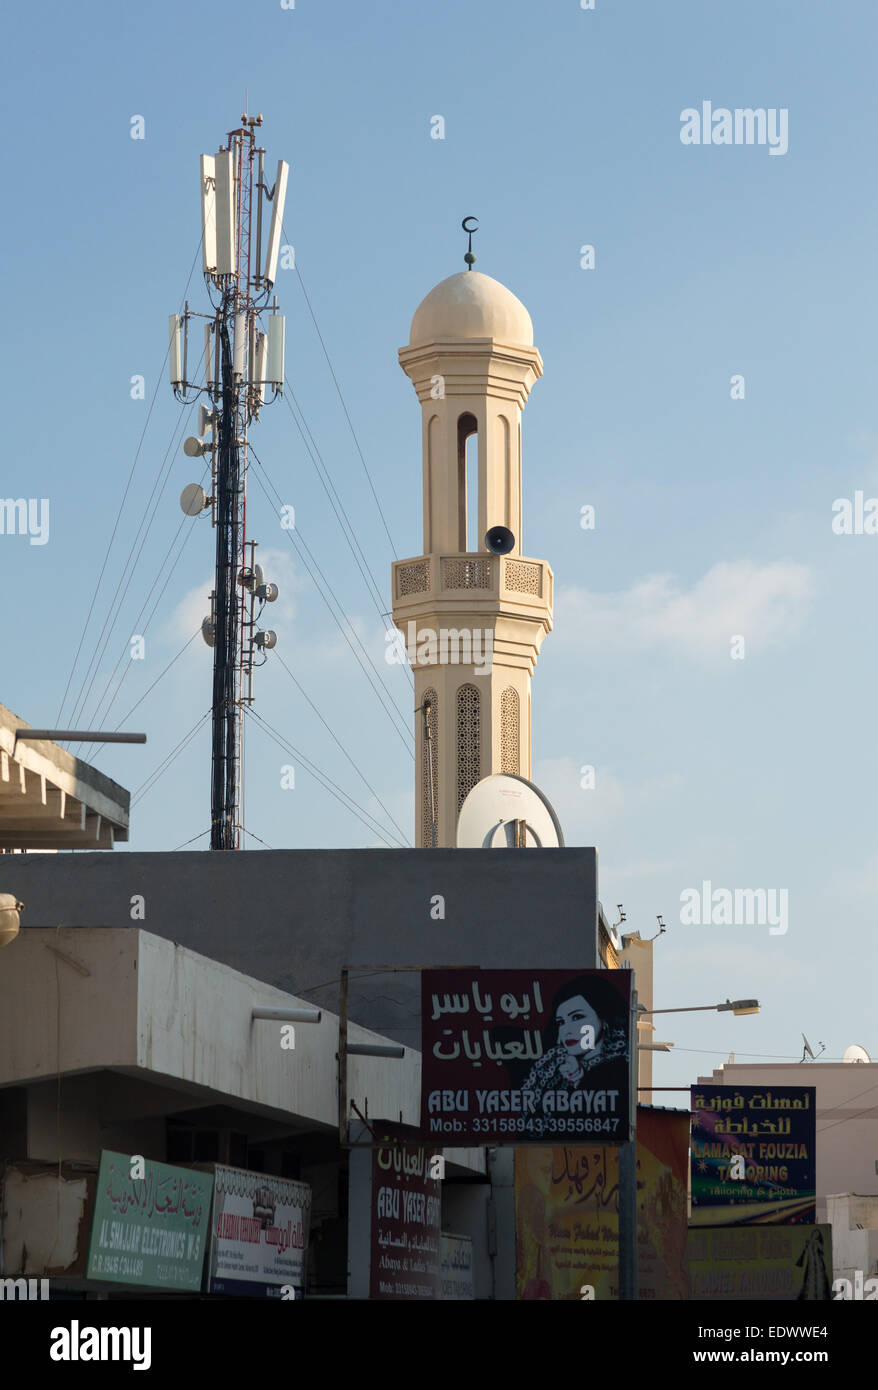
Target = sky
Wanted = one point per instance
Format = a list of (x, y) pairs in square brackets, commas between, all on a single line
[(708, 389)]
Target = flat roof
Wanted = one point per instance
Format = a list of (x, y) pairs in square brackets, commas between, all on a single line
[(50, 799)]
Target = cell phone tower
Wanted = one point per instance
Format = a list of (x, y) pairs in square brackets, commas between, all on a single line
[(241, 362)]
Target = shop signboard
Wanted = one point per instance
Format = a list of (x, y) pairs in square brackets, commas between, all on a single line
[(150, 1223), (525, 1056), (259, 1235)]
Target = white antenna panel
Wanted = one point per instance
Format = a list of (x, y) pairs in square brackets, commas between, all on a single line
[(209, 372), (174, 357), (277, 217), (208, 214), (226, 220), (276, 327), (240, 344), (261, 358)]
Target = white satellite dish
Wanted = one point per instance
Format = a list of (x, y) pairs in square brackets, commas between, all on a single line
[(855, 1053), (193, 499), (505, 811)]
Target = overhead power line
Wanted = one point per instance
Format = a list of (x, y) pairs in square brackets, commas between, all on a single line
[(124, 499), (394, 713), (344, 408), (340, 745), (341, 796)]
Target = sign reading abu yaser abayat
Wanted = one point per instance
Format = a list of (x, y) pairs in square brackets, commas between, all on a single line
[(525, 1056), (150, 1230)]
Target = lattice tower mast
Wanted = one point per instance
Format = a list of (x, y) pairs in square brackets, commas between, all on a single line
[(241, 362)]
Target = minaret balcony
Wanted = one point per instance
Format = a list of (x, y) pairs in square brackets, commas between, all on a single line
[(478, 582)]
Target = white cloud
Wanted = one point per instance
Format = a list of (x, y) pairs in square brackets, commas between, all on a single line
[(763, 603), (586, 813)]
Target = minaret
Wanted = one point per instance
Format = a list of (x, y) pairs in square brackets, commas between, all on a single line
[(472, 621)]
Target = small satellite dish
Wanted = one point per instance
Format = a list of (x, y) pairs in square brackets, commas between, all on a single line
[(206, 418), (208, 631), (506, 811), (193, 499), (855, 1053), (499, 540), (195, 448)]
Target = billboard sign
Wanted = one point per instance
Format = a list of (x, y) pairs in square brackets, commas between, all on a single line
[(149, 1230), (406, 1221), (567, 1215), (760, 1262), (259, 1235), (525, 1056), (753, 1155), (457, 1268)]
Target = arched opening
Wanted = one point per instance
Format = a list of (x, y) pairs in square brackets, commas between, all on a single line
[(468, 482)]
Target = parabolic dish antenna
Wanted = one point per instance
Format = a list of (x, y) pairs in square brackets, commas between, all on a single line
[(855, 1053), (193, 499), (506, 811)]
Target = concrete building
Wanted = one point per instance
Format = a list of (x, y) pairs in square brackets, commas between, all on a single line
[(847, 1131), (116, 1039), (854, 1221)]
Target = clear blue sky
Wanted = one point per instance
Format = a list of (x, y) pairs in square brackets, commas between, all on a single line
[(713, 516)]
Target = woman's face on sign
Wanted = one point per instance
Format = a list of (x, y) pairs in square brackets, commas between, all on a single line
[(571, 1017)]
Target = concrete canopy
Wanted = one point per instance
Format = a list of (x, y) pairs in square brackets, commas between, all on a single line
[(50, 799)]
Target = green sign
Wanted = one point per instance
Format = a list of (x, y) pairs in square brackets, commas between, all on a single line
[(150, 1229)]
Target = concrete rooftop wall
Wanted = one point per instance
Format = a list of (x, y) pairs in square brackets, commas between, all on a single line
[(294, 917)]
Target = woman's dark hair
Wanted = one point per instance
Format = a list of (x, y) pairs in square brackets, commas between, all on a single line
[(603, 997)]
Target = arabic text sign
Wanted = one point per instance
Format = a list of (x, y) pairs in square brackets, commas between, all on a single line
[(753, 1154), (567, 1215), (760, 1262), (406, 1222), (457, 1268), (150, 1230), (259, 1233), (522, 1056)]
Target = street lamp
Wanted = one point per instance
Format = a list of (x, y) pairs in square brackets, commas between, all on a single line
[(734, 1006)]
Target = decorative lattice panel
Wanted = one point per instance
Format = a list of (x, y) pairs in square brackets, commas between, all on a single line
[(466, 574), (433, 722), (468, 741), (510, 737), (523, 578), (413, 579)]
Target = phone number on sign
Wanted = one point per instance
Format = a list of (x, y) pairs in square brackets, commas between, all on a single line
[(556, 1124)]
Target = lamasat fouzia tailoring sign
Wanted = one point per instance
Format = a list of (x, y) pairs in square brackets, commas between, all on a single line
[(523, 1056), (753, 1154)]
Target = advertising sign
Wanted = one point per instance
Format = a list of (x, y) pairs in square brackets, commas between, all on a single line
[(525, 1056), (406, 1222), (149, 1230), (457, 1268), (760, 1262), (753, 1155), (260, 1235), (567, 1215)]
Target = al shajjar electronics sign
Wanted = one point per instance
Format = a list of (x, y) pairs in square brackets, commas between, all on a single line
[(526, 1056)]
